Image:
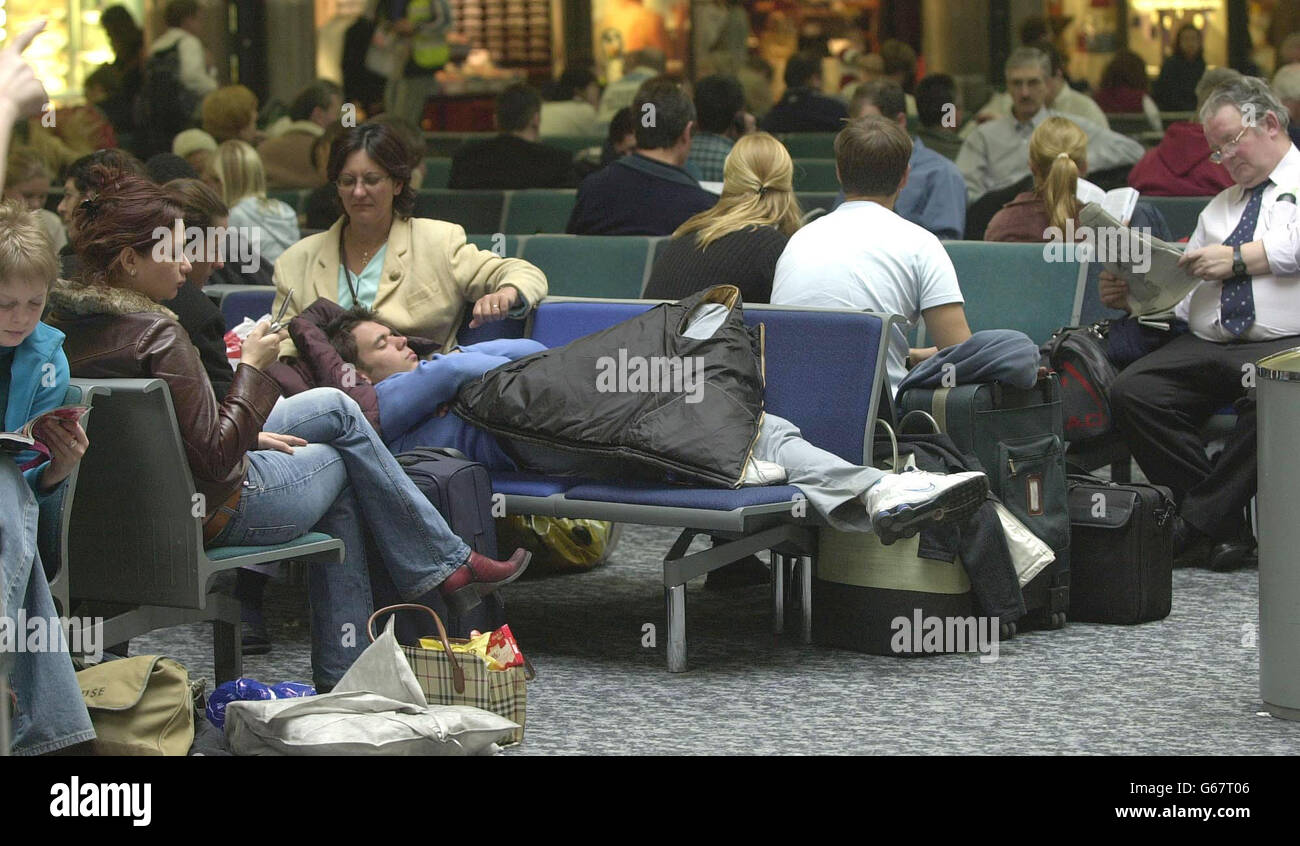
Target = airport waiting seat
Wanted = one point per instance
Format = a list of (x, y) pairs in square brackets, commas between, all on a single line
[(476, 211), (1014, 286), (239, 301), (608, 266), (133, 538), (815, 175), (809, 145), (507, 246), (544, 210), (1181, 213), (834, 401), (436, 173)]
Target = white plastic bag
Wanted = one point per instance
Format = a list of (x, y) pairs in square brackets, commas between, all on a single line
[(235, 338), (376, 709), (1029, 555)]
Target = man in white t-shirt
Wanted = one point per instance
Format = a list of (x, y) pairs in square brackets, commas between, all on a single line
[(864, 256)]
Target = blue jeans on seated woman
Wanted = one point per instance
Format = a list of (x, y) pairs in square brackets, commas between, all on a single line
[(51, 714), (343, 483)]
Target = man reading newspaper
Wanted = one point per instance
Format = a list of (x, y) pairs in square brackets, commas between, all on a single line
[(1244, 251)]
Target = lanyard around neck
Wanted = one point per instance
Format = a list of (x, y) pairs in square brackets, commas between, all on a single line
[(347, 271)]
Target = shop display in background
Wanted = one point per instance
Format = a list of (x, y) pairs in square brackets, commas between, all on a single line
[(1153, 25), (517, 33), (620, 27), (782, 28), (73, 44)]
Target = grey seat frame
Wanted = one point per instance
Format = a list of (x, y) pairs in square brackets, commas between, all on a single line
[(132, 527), (745, 530)]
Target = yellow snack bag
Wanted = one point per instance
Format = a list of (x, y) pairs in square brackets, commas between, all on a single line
[(475, 645)]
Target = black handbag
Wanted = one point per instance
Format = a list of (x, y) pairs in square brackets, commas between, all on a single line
[(1121, 551)]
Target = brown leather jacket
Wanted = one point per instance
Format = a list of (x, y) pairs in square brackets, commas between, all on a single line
[(114, 333)]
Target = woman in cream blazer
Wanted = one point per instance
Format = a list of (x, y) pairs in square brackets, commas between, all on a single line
[(429, 275)]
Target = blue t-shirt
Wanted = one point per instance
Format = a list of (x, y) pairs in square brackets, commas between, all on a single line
[(409, 402)]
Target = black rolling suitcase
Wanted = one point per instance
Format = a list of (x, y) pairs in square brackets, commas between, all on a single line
[(461, 490), (1017, 436), (1121, 551)]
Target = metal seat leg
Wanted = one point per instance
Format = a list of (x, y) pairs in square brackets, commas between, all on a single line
[(675, 597), (805, 597), (778, 593)]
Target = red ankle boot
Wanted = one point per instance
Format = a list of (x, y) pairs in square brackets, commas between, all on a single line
[(478, 576)]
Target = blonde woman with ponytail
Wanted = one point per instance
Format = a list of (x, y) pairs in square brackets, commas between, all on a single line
[(1058, 159), (738, 241)]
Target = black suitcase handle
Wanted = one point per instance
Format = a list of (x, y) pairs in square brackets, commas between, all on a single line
[(420, 453)]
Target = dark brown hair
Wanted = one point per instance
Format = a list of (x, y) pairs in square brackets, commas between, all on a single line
[(1126, 70), (200, 204), (341, 332), (385, 146), (124, 212), (871, 155), (179, 11)]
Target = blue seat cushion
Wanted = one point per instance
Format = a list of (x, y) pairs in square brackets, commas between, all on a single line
[(531, 484), (221, 553), (676, 496), (253, 303)]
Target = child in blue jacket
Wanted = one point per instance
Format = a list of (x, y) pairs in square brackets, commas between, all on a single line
[(50, 713)]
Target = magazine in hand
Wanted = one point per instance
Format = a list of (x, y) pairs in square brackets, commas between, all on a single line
[(1156, 282), (25, 438)]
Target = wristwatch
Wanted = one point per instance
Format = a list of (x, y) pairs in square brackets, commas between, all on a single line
[(1238, 263)]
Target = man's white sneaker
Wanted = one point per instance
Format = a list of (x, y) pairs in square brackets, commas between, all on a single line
[(902, 504)]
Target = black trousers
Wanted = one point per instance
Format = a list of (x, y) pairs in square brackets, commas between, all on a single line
[(1162, 400)]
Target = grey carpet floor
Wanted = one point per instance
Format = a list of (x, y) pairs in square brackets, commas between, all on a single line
[(1188, 684)]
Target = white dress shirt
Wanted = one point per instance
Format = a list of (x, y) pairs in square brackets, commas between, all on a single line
[(1069, 102), (996, 155), (1277, 294)]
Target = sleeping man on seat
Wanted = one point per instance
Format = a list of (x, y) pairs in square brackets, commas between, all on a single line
[(414, 404)]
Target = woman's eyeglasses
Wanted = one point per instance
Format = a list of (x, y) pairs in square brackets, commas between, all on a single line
[(370, 180)]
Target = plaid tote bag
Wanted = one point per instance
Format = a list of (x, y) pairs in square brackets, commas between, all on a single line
[(458, 678)]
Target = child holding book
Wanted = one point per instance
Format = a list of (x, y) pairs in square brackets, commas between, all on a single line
[(49, 713)]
